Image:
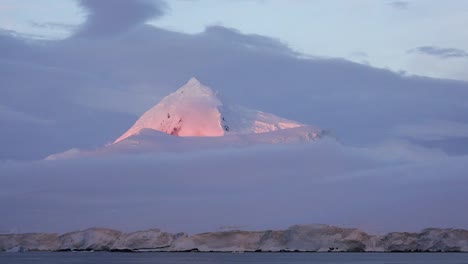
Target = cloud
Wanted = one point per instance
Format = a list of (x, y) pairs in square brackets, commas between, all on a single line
[(106, 18), (444, 53), (359, 54), (9, 114), (399, 4), (53, 25), (99, 86), (8, 33), (93, 86), (262, 187), (248, 40), (433, 130)]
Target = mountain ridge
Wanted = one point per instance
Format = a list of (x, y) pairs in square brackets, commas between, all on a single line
[(196, 110), (193, 118)]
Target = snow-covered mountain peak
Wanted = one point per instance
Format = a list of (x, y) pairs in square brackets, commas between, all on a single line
[(195, 110), (194, 118), (193, 81), (194, 88)]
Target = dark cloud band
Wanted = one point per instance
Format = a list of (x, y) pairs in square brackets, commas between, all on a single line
[(444, 53), (117, 16)]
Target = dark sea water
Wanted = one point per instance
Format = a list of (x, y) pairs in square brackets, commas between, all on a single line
[(212, 258)]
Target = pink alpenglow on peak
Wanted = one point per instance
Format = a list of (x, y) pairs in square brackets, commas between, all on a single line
[(195, 110), (194, 118)]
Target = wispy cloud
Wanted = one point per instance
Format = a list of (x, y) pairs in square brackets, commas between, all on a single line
[(7, 113), (444, 53), (399, 4), (360, 54), (53, 25), (433, 130)]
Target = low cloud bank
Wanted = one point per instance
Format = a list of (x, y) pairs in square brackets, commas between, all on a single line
[(376, 189)]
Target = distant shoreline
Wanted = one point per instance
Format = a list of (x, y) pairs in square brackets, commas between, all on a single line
[(295, 239)]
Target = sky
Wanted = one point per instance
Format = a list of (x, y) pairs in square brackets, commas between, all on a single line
[(78, 74), (416, 36)]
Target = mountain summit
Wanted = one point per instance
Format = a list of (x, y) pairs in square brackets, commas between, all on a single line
[(194, 118), (195, 110)]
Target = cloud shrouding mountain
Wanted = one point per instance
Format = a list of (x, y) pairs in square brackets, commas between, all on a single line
[(88, 89), (392, 187), (99, 86)]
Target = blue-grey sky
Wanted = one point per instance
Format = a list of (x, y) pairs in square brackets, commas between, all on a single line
[(382, 33), (77, 74)]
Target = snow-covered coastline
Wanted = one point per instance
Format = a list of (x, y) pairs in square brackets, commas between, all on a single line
[(298, 238)]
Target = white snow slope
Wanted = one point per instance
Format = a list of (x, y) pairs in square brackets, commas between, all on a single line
[(196, 110), (194, 118)]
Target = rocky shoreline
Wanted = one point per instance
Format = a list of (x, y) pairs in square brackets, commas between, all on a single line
[(298, 238)]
